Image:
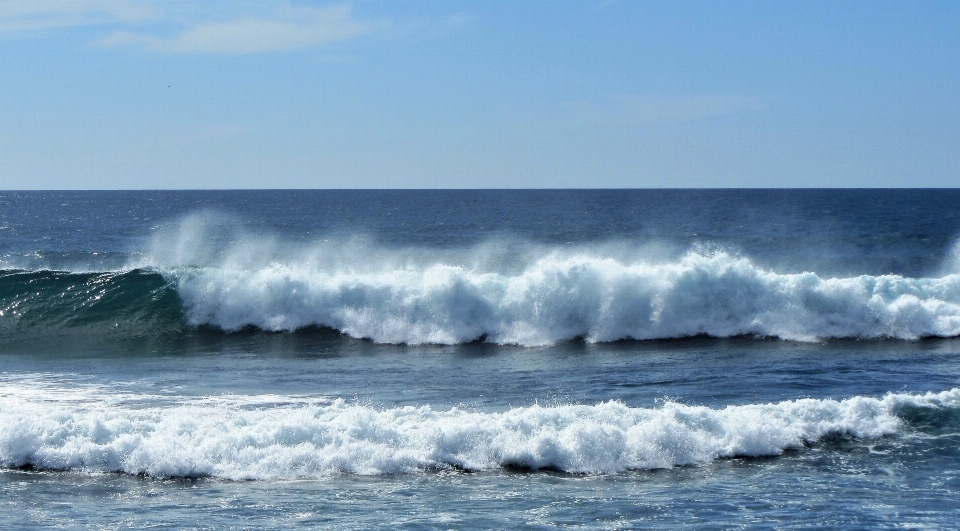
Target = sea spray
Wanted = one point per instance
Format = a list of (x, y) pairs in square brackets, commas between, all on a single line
[(509, 291)]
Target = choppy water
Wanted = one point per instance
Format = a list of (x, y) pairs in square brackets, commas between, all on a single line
[(478, 359)]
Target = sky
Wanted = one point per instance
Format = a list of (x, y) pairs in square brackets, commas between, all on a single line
[(181, 94)]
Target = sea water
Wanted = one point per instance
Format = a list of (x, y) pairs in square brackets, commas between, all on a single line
[(480, 359)]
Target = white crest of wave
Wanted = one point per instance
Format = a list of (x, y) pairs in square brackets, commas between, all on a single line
[(515, 293), (557, 298), (303, 439)]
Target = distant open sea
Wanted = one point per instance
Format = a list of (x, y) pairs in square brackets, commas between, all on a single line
[(522, 359)]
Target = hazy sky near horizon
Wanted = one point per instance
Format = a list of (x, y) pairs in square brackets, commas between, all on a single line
[(482, 94)]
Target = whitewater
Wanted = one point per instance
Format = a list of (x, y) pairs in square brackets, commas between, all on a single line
[(540, 297), (558, 298), (275, 437)]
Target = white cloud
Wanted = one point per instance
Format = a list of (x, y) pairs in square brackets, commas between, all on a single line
[(19, 16), (237, 27), (287, 28)]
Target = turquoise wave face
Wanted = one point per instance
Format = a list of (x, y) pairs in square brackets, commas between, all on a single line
[(52, 304)]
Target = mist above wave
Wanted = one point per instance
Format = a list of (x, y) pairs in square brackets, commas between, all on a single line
[(202, 272), (514, 292)]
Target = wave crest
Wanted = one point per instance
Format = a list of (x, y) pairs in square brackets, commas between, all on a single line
[(564, 296)]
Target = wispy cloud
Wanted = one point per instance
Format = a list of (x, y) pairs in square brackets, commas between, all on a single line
[(21, 16), (229, 28), (286, 28)]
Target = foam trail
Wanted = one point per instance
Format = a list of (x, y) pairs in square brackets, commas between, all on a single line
[(270, 438), (566, 295)]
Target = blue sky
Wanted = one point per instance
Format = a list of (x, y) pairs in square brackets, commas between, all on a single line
[(296, 94)]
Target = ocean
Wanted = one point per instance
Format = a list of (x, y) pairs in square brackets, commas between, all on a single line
[(482, 359)]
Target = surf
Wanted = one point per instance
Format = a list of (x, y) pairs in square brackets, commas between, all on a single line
[(562, 295), (289, 437)]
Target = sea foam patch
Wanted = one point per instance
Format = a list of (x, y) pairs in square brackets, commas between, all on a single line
[(313, 438)]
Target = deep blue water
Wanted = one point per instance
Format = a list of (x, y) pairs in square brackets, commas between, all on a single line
[(480, 359)]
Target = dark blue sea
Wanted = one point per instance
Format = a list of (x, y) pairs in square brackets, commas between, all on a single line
[(592, 359)]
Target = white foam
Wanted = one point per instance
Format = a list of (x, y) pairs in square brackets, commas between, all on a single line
[(517, 293), (298, 438), (559, 297)]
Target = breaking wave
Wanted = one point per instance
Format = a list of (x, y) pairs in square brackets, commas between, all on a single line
[(561, 297), (269, 437), (202, 273), (554, 298)]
